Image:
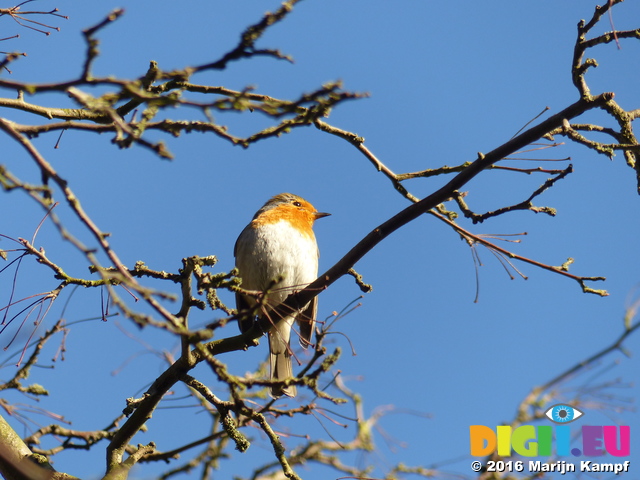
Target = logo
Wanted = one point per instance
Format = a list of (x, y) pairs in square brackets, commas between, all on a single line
[(563, 413), (546, 440), (552, 441)]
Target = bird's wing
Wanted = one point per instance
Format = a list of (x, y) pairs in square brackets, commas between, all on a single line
[(306, 322), (246, 323)]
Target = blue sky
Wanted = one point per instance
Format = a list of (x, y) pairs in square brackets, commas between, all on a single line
[(446, 80)]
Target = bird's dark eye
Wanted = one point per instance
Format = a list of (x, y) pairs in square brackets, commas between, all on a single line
[(297, 204)]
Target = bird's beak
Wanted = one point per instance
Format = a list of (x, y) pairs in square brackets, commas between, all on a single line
[(318, 215)]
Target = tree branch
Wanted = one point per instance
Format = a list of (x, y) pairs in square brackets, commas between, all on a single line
[(416, 209)]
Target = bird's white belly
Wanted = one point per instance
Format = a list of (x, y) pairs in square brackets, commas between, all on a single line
[(273, 251)]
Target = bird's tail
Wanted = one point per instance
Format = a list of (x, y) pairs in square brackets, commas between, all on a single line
[(280, 358)]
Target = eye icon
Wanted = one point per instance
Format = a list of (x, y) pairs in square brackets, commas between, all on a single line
[(561, 413)]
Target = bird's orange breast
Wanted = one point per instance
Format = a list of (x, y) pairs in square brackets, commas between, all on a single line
[(301, 220)]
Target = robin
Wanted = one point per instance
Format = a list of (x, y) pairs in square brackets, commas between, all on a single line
[(278, 251)]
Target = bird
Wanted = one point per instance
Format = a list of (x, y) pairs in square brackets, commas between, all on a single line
[(277, 251)]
